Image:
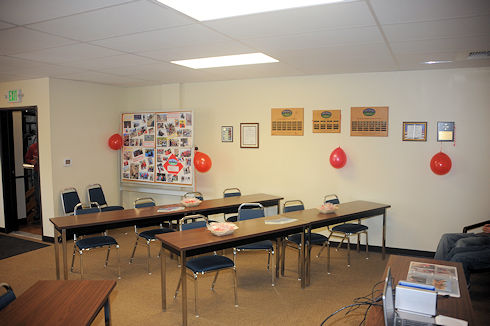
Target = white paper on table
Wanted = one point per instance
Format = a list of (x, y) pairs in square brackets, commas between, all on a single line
[(449, 321)]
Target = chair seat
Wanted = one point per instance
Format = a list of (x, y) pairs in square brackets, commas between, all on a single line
[(111, 208), (94, 242), (204, 264), (316, 238), (232, 218), (266, 244), (349, 228), (150, 234)]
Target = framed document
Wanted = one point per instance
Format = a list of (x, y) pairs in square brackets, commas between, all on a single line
[(227, 134), (249, 135), (414, 131)]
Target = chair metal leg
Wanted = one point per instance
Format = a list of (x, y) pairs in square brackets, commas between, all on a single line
[(148, 259), (118, 263), (81, 264), (195, 295), (273, 270), (235, 286), (134, 249), (328, 256), (107, 257), (348, 251), (321, 249), (73, 259), (283, 255), (268, 259), (299, 262), (358, 241), (177, 289), (367, 246), (234, 256), (214, 280)]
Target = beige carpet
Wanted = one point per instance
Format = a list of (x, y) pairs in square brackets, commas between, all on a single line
[(137, 297)]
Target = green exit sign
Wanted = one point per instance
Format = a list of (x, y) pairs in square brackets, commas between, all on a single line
[(15, 96)]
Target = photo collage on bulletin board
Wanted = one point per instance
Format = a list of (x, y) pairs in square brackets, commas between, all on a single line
[(158, 147)]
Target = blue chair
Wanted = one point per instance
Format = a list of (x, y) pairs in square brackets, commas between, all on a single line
[(344, 231), (69, 199), (206, 263), (294, 240), (231, 192), (149, 235), (248, 211), (85, 244), (7, 297), (95, 194)]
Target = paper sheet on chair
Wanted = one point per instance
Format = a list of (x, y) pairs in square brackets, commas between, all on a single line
[(281, 220)]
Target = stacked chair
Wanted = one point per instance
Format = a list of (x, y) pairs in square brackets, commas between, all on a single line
[(148, 235), (96, 194), (207, 263), (231, 192)]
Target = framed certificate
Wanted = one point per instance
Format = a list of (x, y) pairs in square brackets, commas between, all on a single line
[(414, 131), (249, 135), (227, 134)]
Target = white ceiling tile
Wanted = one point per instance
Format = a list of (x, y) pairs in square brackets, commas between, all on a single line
[(450, 28), (140, 70), (361, 35), (75, 52), (163, 39), (20, 66), (20, 39), (116, 61), (264, 70), (477, 43), (22, 12), (98, 77), (114, 21), (332, 16), (199, 51), (5, 77), (404, 11)]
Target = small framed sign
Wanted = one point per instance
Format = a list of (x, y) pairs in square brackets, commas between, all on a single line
[(445, 131), (227, 134), (414, 131), (249, 135)]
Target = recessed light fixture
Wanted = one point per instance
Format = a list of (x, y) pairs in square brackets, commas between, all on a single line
[(215, 9), (436, 61), (225, 61)]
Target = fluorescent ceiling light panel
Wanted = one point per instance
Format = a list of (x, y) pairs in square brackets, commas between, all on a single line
[(436, 61), (226, 61), (215, 9)]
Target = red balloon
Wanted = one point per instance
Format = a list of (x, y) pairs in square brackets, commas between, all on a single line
[(115, 141), (440, 163), (202, 162), (338, 158)]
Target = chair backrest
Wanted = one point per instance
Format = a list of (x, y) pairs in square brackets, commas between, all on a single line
[(7, 297), (248, 211), (69, 199), (293, 205), (198, 221), (332, 199), (79, 210), (144, 202), (194, 194), (95, 194), (231, 192)]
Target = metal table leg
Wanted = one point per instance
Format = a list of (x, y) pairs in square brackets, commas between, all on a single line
[(107, 313), (308, 257), (302, 260), (383, 248), (163, 271), (64, 253), (183, 279), (57, 252)]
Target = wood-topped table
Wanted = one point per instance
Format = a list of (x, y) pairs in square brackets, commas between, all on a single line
[(460, 308), (127, 217), (350, 211), (60, 303), (197, 241)]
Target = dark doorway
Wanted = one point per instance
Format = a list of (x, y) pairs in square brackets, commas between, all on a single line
[(20, 170)]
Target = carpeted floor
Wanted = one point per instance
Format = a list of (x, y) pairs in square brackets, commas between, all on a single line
[(11, 246), (136, 299)]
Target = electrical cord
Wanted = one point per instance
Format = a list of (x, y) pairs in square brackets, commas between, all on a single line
[(369, 300)]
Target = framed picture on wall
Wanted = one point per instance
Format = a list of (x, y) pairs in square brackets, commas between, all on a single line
[(414, 131), (249, 135), (227, 134)]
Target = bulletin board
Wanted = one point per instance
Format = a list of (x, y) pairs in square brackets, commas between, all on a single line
[(326, 121), (287, 122), (158, 147), (369, 121)]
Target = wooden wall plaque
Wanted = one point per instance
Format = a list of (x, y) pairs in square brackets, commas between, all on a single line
[(326, 121), (369, 121), (287, 122)]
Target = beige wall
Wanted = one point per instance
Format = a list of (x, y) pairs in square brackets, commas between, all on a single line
[(381, 169)]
